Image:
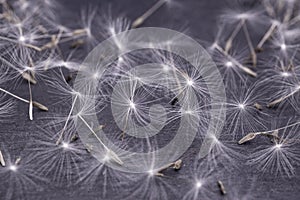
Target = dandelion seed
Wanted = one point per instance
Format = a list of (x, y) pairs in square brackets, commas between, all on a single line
[(251, 136), (233, 35), (34, 103), (250, 45), (267, 35), (28, 77), (158, 172), (269, 8), (54, 42), (68, 119), (235, 62), (112, 154), (100, 127), (281, 99), (115, 157), (30, 102), (247, 138), (39, 106), (222, 188), (279, 157), (257, 106), (2, 161), (42, 29), (140, 20), (21, 41), (274, 136), (89, 148), (18, 160), (289, 11), (177, 164), (291, 66), (30, 111), (79, 32)]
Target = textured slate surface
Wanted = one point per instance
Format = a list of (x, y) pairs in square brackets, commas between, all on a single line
[(200, 17)]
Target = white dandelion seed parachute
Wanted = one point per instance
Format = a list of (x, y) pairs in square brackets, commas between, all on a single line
[(135, 103)]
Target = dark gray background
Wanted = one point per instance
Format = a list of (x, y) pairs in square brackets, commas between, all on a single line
[(199, 18)]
